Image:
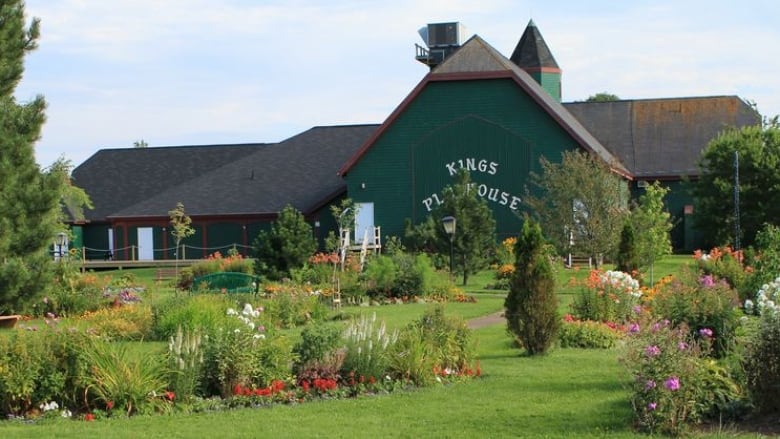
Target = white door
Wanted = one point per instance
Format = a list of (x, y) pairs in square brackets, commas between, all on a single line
[(364, 222), (145, 244), (110, 254)]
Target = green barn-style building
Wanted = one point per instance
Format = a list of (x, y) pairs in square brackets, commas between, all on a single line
[(474, 109)]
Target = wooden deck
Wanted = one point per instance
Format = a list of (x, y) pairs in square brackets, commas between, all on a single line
[(114, 265)]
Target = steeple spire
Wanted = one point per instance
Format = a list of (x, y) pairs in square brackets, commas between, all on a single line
[(532, 55)]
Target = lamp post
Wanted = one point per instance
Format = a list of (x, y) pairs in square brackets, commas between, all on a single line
[(449, 229), (62, 238)]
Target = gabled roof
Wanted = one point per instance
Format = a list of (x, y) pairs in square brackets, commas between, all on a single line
[(117, 178), (477, 59), (300, 171), (662, 138), (532, 54)]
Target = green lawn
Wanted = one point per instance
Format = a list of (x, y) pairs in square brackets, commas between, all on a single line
[(568, 393)]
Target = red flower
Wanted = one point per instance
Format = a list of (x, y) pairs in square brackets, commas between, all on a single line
[(89, 417), (170, 395), (371, 380), (305, 385)]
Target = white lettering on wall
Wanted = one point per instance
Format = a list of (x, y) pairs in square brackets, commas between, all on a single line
[(492, 194), (472, 164)]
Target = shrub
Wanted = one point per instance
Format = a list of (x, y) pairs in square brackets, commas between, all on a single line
[(609, 296), (762, 364), (531, 305), (701, 302), (672, 385), (291, 306), (204, 312), (399, 275), (627, 257), (367, 347), (288, 245), (587, 334), (317, 349), (125, 322), (136, 384), (727, 264)]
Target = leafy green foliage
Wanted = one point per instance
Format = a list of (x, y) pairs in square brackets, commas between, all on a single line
[(587, 334), (759, 157), (580, 203), (672, 382), (473, 243), (652, 225), (762, 364), (288, 245), (602, 97), (135, 384), (29, 197), (399, 275), (317, 346), (701, 302), (765, 260), (531, 305)]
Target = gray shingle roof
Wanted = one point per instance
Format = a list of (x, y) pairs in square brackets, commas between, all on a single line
[(531, 52), (117, 178), (662, 137), (300, 171)]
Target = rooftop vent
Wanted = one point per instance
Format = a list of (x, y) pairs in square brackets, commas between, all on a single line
[(441, 39)]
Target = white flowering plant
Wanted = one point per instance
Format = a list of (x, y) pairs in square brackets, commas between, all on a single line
[(767, 299), (607, 296)]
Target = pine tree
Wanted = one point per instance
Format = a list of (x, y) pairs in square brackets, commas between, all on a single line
[(288, 245), (29, 197), (474, 240), (531, 307)]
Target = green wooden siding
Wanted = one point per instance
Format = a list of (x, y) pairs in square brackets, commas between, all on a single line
[(550, 82), (491, 127)]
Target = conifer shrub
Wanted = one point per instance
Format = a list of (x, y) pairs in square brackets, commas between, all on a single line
[(531, 305), (627, 257)]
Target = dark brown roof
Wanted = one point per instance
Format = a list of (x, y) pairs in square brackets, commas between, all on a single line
[(532, 53), (662, 138), (300, 171)]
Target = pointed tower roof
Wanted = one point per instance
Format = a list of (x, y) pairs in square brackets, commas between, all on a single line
[(532, 53), (478, 60)]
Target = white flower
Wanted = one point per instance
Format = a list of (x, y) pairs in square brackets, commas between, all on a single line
[(251, 325), (66, 413), (259, 336), (231, 312), (236, 330)]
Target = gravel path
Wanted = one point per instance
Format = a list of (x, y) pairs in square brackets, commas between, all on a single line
[(489, 320)]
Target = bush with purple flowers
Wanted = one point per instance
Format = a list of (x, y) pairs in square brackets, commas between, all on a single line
[(673, 382)]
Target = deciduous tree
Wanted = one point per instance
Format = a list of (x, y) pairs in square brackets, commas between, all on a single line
[(759, 183), (652, 224), (580, 203)]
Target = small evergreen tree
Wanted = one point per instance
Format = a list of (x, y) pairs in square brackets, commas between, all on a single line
[(531, 306), (627, 258), (288, 245)]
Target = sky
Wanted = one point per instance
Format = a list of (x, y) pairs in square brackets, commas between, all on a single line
[(198, 72)]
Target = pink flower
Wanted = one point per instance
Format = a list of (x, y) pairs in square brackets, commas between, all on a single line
[(649, 385), (705, 332), (633, 328), (651, 406), (682, 345), (673, 383), (653, 351)]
